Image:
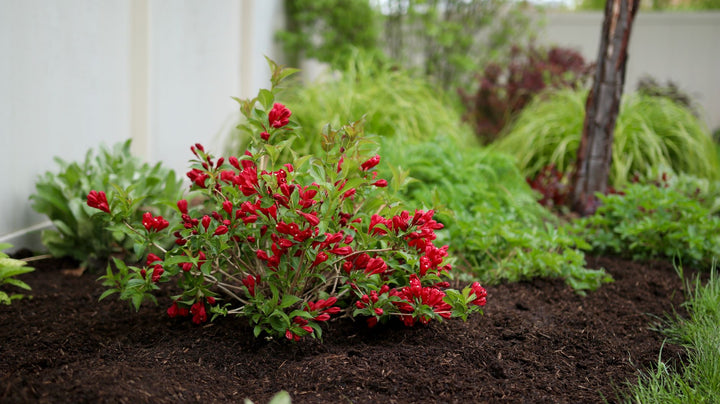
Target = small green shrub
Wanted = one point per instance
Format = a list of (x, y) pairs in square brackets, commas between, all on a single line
[(61, 197), (651, 133), (653, 221), (491, 216), (9, 268)]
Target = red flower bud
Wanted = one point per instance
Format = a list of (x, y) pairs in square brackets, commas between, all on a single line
[(220, 230), (370, 163), (98, 200), (182, 205)]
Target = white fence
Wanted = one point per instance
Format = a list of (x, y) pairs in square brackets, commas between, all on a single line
[(682, 47), (75, 74)]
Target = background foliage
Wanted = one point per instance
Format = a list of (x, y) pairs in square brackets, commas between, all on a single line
[(651, 133), (61, 196)]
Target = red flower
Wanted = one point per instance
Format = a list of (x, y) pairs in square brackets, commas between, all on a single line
[(152, 258), (480, 294), (98, 200), (279, 116), (154, 223), (176, 311), (210, 300), (375, 266), (220, 230), (265, 136), (198, 312), (320, 258), (380, 183), (378, 311), (206, 222), (310, 217), (370, 163), (227, 207), (341, 250), (157, 273), (182, 204), (249, 283), (198, 177)]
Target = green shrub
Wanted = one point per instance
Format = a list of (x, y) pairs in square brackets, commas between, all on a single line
[(654, 221), (651, 133), (62, 196), (491, 215), (9, 268)]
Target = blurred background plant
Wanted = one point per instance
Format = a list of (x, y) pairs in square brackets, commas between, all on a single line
[(506, 88), (79, 233), (329, 30), (651, 133), (446, 41), (392, 102)]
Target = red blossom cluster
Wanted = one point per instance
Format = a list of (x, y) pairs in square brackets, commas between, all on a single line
[(98, 200), (271, 230)]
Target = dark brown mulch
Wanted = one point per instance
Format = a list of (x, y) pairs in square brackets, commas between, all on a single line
[(538, 342)]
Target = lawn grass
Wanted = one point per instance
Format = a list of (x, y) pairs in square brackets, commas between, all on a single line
[(698, 380)]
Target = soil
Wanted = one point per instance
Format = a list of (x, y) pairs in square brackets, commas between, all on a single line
[(538, 342)]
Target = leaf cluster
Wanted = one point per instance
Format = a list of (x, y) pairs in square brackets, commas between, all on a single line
[(491, 215), (654, 220), (80, 233), (9, 269)]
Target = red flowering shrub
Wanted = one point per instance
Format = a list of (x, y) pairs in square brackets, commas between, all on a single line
[(291, 244)]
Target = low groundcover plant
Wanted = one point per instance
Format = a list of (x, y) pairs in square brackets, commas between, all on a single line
[(289, 244)]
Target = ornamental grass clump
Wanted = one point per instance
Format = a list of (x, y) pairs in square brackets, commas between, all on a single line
[(289, 243), (651, 133)]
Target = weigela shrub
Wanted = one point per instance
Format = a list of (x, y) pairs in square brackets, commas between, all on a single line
[(291, 244)]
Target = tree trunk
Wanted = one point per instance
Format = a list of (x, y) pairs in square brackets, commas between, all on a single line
[(594, 154)]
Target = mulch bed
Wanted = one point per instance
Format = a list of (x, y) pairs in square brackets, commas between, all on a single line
[(538, 342)]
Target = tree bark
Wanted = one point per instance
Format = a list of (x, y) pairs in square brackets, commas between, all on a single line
[(594, 154)]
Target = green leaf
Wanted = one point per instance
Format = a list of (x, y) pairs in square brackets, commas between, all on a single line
[(107, 293), (289, 300), (266, 99)]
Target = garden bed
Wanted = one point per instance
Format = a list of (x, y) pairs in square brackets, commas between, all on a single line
[(537, 342)]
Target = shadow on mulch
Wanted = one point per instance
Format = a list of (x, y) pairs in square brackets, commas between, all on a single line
[(538, 342)]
